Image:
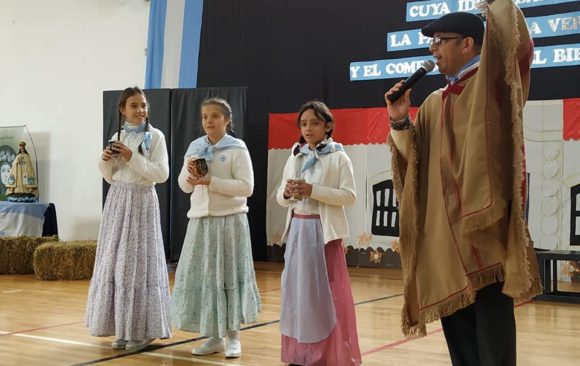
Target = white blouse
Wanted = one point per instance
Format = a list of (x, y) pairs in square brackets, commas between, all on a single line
[(313, 175), (147, 169)]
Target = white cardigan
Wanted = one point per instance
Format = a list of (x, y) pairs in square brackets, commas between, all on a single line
[(335, 191), (232, 181)]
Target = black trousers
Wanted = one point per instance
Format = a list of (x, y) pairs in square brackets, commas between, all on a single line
[(484, 333)]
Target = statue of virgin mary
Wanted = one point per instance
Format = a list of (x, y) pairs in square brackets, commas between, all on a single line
[(22, 184)]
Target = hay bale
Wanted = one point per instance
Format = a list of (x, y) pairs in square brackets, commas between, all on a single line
[(16, 253), (73, 260)]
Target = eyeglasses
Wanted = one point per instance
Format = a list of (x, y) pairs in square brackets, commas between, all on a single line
[(437, 40)]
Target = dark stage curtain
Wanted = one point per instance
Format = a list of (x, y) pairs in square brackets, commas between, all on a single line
[(186, 127), (159, 116)]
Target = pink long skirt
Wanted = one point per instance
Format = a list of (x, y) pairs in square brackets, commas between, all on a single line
[(341, 347)]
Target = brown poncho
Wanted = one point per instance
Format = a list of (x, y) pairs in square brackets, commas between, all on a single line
[(462, 187)]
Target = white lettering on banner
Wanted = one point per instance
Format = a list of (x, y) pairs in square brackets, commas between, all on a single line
[(371, 70), (554, 23), (538, 60), (535, 28), (433, 9), (550, 56), (571, 23), (436, 9), (467, 5), (423, 39), (403, 67), (404, 41), (545, 26), (568, 23), (566, 54)]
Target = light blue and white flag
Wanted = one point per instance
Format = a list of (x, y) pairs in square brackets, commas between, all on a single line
[(18, 219), (173, 43)]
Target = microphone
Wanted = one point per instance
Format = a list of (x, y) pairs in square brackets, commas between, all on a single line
[(426, 67)]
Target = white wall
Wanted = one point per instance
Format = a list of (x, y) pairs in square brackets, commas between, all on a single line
[(57, 57)]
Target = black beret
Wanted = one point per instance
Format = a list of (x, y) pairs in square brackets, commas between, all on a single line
[(466, 24)]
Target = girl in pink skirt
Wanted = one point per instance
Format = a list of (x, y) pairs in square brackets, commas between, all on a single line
[(317, 321)]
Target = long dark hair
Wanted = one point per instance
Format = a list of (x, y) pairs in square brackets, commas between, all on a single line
[(126, 94), (321, 111)]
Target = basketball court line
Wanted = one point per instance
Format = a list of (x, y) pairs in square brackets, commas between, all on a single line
[(41, 328), (403, 341), (11, 291), (57, 340), (197, 360), (270, 290), (397, 343), (194, 360), (3, 333), (258, 325), (377, 299), (149, 351)]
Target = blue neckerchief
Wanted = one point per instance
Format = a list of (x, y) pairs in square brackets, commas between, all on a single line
[(146, 144), (468, 66), (201, 147), (323, 148)]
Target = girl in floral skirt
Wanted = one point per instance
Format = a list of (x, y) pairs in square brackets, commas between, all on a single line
[(129, 290)]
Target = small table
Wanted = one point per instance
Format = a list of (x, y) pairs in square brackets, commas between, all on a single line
[(549, 274)]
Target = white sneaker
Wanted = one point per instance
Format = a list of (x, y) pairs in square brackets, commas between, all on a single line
[(119, 344), (233, 345), (211, 345), (133, 346)]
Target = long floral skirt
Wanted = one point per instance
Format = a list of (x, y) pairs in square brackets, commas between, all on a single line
[(215, 284), (129, 290)]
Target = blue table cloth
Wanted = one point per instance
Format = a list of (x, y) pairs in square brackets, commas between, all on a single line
[(18, 219)]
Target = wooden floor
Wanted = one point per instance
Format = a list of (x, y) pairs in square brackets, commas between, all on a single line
[(41, 323)]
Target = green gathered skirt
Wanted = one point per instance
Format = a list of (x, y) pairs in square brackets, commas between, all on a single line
[(215, 284)]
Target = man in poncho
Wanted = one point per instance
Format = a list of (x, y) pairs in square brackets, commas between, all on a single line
[(459, 172)]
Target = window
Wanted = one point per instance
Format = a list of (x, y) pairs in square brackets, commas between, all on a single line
[(575, 215), (385, 212)]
